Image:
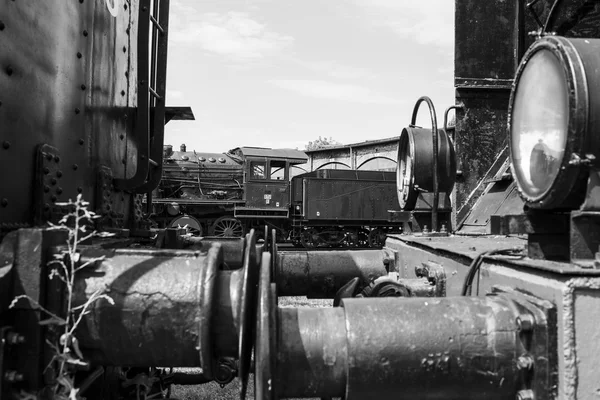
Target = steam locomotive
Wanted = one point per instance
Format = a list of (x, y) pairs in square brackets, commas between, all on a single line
[(225, 194), (228, 194), (502, 305)]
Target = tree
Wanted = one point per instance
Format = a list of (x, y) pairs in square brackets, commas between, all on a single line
[(321, 143)]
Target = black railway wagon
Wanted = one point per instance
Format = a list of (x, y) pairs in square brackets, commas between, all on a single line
[(345, 207)]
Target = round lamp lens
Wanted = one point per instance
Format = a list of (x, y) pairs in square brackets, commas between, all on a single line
[(404, 170), (540, 117)]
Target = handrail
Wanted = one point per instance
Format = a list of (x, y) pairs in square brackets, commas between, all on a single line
[(446, 129), (160, 34), (434, 165)]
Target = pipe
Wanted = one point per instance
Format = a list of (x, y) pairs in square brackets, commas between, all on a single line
[(320, 274), (434, 165)]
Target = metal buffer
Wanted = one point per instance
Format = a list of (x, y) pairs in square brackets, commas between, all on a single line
[(461, 347), (172, 308)]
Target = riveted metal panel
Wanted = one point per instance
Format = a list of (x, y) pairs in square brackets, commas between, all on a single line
[(63, 66), (484, 42), (344, 200), (268, 195)]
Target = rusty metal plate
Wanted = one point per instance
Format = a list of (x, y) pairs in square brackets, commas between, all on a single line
[(57, 88)]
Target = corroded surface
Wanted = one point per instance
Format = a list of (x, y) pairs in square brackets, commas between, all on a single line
[(320, 274), (58, 87)]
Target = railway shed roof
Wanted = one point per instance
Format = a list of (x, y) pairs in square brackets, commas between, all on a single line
[(297, 156)]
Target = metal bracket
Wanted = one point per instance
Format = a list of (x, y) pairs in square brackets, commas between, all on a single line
[(47, 185), (4, 369), (409, 223), (435, 274), (536, 324), (104, 188)]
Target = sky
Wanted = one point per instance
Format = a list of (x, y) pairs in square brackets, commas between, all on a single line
[(281, 73)]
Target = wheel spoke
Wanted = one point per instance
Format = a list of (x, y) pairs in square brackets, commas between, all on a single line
[(228, 227)]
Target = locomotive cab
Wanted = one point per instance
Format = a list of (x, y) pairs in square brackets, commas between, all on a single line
[(267, 181)]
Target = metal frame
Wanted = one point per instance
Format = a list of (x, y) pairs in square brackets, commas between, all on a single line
[(148, 136)]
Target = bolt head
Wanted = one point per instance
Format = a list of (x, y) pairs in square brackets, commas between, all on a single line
[(525, 323), (13, 376), (526, 394), (525, 362), (13, 338)]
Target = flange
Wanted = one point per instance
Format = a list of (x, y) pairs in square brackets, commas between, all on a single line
[(265, 345), (247, 310)]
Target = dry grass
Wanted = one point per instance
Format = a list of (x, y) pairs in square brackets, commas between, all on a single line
[(232, 391)]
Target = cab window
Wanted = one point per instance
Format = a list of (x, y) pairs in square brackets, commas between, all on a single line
[(257, 170), (278, 170)]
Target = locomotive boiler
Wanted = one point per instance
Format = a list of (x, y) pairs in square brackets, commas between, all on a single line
[(502, 304)]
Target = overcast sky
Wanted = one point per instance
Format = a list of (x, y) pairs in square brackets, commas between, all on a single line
[(280, 73)]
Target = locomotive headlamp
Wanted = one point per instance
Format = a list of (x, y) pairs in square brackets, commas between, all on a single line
[(552, 100)]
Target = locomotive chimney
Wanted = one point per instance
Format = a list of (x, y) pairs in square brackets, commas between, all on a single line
[(182, 147)]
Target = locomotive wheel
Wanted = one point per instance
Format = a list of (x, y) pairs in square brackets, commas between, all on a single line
[(377, 237), (310, 238), (192, 224), (360, 238), (227, 227), (350, 239), (363, 238)]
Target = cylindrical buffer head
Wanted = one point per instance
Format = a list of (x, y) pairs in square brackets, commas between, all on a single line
[(462, 347), (171, 308)]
